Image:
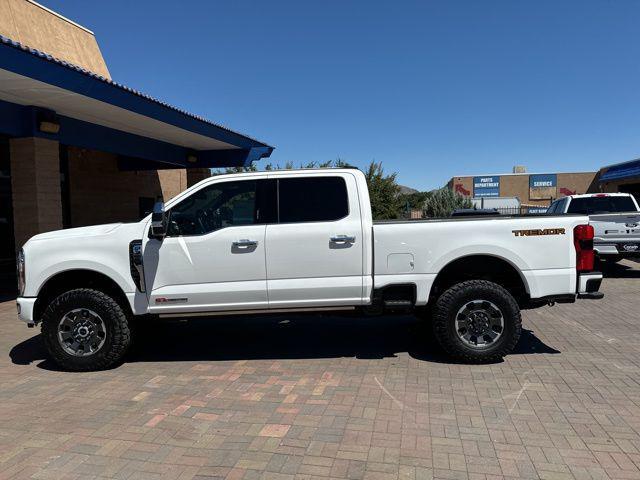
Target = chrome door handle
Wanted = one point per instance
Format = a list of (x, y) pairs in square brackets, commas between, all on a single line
[(244, 242), (343, 239)]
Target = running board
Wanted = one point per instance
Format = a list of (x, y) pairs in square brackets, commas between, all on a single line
[(398, 303), (245, 312)]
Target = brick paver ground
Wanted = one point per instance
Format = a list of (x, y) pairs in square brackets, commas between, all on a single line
[(311, 397)]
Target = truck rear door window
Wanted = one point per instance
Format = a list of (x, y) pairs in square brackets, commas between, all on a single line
[(312, 199), (595, 205)]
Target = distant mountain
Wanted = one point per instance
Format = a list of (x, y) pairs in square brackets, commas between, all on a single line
[(407, 190)]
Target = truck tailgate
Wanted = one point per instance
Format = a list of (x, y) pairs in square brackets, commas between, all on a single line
[(616, 227)]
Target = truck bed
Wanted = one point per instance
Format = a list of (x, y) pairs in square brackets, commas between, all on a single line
[(539, 246), (472, 218)]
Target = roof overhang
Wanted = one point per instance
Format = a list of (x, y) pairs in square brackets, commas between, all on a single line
[(94, 112), (621, 171)]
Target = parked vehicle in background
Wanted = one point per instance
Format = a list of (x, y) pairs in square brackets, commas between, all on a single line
[(498, 203), (296, 240), (475, 212), (615, 218)]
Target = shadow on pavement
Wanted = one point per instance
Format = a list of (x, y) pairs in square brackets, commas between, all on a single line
[(29, 351), (619, 270), (279, 337), (529, 344), (7, 296)]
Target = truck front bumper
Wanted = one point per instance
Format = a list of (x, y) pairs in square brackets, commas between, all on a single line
[(25, 309), (589, 285)]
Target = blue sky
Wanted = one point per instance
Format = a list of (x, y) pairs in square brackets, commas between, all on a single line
[(430, 88)]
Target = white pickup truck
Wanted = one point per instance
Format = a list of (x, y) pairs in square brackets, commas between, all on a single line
[(291, 241), (615, 218)]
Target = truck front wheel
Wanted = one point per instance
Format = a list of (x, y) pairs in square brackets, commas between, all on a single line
[(477, 321), (85, 329)]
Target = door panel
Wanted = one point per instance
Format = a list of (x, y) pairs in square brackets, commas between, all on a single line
[(319, 291), (208, 272), (214, 255), (316, 263)]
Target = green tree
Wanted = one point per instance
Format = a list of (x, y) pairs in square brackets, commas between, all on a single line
[(441, 202), (338, 163), (383, 192), (414, 200)]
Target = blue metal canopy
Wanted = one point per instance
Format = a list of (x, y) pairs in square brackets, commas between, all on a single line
[(621, 171), (97, 113)]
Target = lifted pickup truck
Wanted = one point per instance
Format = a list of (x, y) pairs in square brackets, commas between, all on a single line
[(615, 218), (291, 241)]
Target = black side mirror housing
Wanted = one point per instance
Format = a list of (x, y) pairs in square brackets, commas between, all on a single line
[(158, 228)]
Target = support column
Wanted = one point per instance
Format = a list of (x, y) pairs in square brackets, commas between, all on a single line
[(35, 186), (172, 182)]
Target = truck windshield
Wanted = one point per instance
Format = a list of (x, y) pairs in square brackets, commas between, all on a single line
[(595, 205)]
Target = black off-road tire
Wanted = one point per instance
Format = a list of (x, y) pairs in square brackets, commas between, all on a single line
[(118, 334), (449, 303)]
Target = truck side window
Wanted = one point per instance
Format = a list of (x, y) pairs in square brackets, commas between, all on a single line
[(312, 199), (562, 205), (214, 207)]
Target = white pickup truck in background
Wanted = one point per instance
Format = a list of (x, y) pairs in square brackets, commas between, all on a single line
[(297, 240), (615, 218)]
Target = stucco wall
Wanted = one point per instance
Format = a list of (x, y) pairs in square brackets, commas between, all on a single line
[(100, 193), (35, 187), (33, 25)]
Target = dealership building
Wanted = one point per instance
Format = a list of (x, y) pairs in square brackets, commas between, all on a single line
[(535, 191), (77, 148)]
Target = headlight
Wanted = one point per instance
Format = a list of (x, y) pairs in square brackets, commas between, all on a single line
[(20, 267)]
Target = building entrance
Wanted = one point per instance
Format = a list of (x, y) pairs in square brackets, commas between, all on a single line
[(632, 188), (7, 248)]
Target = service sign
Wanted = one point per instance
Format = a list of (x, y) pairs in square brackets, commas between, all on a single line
[(542, 187), (486, 186)]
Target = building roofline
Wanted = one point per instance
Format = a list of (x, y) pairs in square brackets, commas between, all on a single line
[(621, 163), (73, 69), (519, 174), (62, 17)]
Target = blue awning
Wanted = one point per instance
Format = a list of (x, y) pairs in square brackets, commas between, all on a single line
[(621, 171), (97, 113)]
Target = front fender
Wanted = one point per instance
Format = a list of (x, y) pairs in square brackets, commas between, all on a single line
[(46, 274)]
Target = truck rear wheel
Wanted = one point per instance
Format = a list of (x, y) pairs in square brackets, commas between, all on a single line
[(477, 321), (85, 329)]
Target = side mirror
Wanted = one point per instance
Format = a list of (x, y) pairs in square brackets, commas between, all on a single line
[(158, 222)]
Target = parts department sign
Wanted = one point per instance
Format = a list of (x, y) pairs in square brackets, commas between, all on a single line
[(486, 186), (542, 187)]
